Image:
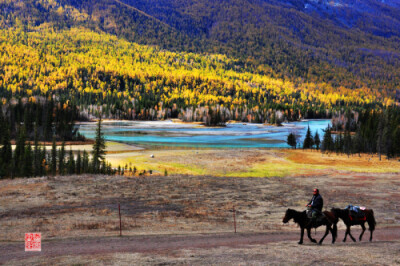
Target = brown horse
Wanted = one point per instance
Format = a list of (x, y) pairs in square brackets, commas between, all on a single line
[(303, 221), (350, 221)]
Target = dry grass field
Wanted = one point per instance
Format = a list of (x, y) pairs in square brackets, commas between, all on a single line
[(199, 202), (249, 162)]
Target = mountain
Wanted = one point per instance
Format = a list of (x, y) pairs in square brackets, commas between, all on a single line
[(299, 56), (344, 42), (340, 42)]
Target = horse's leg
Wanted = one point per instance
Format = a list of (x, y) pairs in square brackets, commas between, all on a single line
[(363, 230), (309, 235), (347, 232), (301, 235), (328, 228), (370, 237), (352, 238)]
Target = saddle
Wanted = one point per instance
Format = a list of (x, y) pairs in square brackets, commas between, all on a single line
[(320, 215), (356, 213)]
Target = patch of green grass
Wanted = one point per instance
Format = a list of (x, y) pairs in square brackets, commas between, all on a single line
[(274, 170), (178, 168), (142, 162)]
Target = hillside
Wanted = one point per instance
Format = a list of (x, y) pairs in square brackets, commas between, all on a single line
[(245, 59), (345, 43), (100, 72)]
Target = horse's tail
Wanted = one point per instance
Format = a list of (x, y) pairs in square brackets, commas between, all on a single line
[(371, 221)]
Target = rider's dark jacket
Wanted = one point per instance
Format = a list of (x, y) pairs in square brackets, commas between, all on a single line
[(317, 202)]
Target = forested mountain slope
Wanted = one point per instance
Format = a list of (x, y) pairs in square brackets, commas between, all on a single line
[(134, 81), (244, 59), (343, 42)]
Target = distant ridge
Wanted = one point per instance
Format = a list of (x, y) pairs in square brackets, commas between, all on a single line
[(345, 43)]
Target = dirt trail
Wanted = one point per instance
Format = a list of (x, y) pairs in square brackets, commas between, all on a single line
[(162, 243)]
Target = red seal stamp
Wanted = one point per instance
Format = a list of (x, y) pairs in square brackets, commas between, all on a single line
[(33, 242)]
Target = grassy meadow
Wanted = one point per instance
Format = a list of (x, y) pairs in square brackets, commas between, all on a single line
[(245, 162)]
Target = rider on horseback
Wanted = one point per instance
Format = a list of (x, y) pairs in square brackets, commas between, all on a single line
[(316, 203)]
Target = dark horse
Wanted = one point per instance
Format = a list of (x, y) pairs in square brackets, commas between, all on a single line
[(303, 221), (349, 221)]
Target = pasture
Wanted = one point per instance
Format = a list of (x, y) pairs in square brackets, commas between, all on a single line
[(199, 202)]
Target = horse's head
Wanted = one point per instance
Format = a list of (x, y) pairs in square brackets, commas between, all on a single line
[(288, 216)]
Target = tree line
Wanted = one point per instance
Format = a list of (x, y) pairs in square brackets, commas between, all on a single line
[(29, 160), (40, 118), (375, 132)]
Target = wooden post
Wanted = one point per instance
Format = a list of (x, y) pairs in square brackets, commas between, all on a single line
[(120, 222), (234, 218)]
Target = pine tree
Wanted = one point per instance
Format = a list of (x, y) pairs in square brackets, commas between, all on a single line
[(327, 141), (308, 140), (358, 143), (99, 147), (19, 154), (317, 141), (347, 143), (338, 143), (387, 134), (379, 141), (71, 163), (36, 155), (61, 159), (85, 162), (79, 163), (6, 152), (291, 140), (43, 162), (396, 141), (54, 157), (27, 166)]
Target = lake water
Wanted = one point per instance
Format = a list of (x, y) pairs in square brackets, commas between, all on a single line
[(234, 135)]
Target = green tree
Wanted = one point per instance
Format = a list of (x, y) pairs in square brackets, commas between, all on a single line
[(27, 165), (61, 159), (99, 148), (54, 157), (19, 154), (380, 138), (36, 155), (327, 141), (347, 143), (308, 140), (317, 140), (396, 141), (71, 163), (43, 162), (79, 163), (6, 152), (291, 140), (358, 142), (85, 162)]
